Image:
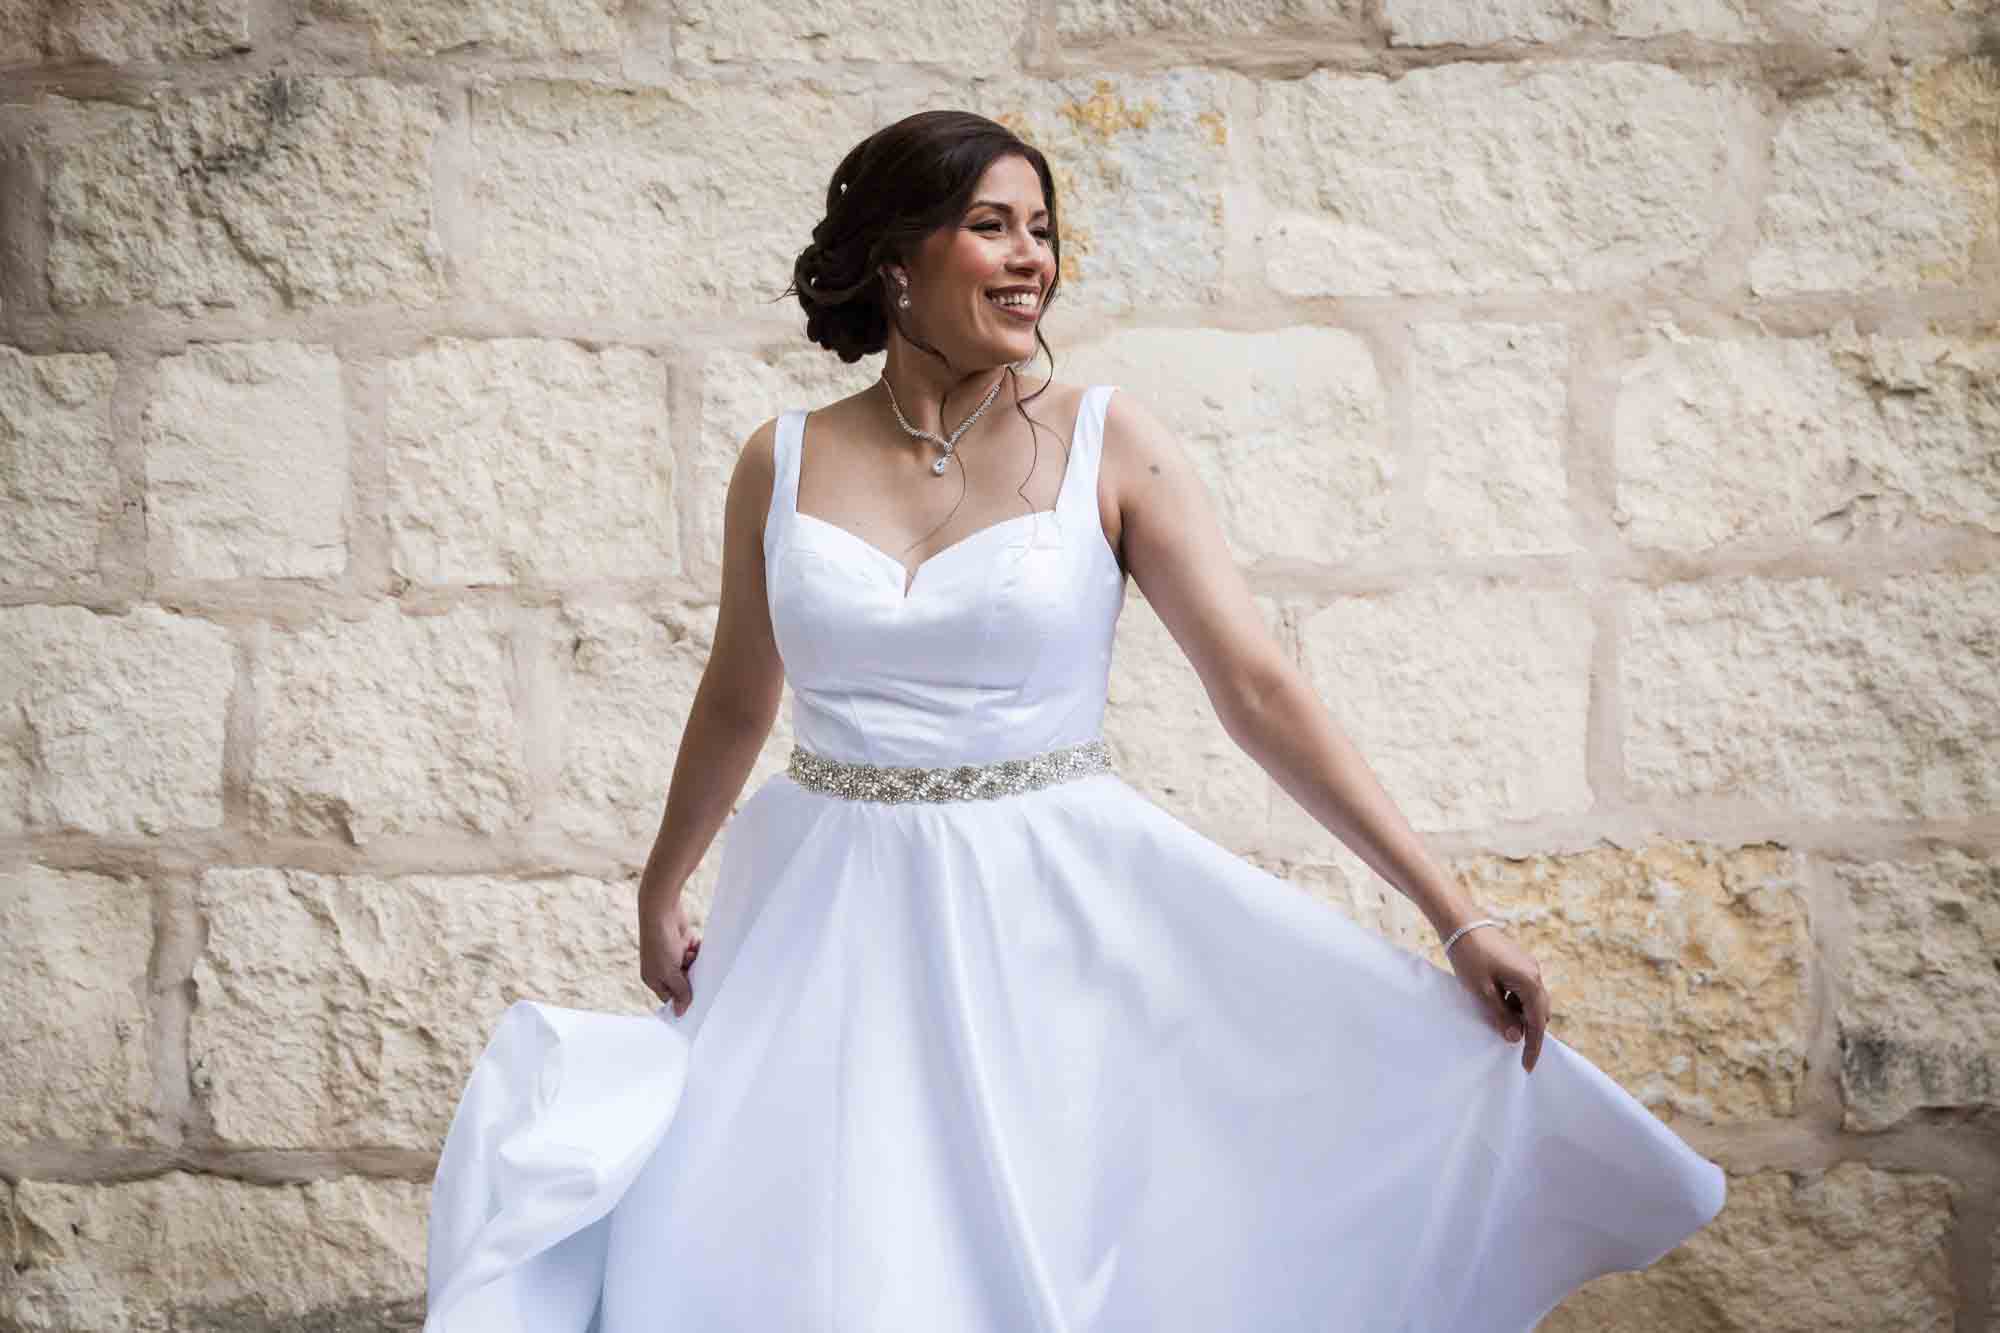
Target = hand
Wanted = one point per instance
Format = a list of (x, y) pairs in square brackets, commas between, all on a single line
[(1508, 985), (668, 947)]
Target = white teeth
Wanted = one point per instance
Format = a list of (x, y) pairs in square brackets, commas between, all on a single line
[(1024, 300)]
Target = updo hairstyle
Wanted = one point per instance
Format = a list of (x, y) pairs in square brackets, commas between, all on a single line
[(893, 189)]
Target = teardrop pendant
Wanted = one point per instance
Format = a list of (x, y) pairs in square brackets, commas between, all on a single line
[(937, 468)]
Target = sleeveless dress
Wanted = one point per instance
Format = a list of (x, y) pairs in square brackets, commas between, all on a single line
[(1045, 1062)]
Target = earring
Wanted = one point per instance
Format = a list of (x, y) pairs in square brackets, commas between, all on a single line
[(903, 301)]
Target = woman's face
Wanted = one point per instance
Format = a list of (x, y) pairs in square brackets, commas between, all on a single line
[(1000, 249)]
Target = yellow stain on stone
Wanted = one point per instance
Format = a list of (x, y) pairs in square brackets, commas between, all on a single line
[(1680, 969), (1218, 128), (1957, 107), (1104, 113)]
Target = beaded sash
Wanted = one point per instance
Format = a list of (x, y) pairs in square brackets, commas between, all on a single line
[(954, 782)]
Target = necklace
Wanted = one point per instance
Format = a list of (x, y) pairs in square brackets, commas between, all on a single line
[(945, 446)]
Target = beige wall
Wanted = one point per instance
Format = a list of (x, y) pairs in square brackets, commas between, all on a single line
[(1603, 397)]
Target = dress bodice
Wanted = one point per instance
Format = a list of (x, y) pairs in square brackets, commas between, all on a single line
[(999, 646)]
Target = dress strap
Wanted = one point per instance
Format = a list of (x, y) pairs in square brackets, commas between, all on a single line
[(1079, 494), (785, 479)]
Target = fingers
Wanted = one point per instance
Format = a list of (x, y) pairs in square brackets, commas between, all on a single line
[(1538, 1022), (1524, 1010)]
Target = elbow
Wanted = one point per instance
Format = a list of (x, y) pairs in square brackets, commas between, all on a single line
[(1257, 697)]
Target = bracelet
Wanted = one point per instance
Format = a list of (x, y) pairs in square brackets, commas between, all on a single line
[(1453, 938)]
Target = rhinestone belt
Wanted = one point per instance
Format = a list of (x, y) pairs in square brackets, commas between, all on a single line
[(954, 782)]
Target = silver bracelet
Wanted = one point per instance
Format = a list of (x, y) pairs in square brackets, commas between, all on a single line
[(1453, 938)]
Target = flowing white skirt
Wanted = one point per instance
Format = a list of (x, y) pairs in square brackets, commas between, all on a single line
[(1045, 1064)]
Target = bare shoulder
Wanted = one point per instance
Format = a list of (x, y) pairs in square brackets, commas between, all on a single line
[(1138, 448)]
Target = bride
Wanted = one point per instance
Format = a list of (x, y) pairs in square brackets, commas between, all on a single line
[(979, 1037)]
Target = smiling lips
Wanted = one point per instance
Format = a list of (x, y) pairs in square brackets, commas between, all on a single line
[(1020, 303)]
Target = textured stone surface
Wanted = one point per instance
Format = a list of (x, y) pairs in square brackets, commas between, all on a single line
[(111, 724), (335, 1011), (1886, 184), (123, 31), (1469, 700), (1836, 23), (1920, 1007), (1140, 164), (1808, 696), (75, 1041), (523, 459), (246, 463), (388, 724), (1479, 177), (637, 201), (964, 34), (1680, 970), (1488, 406), (279, 191), (58, 484), (1288, 430), (627, 682), (1166, 739), (200, 1252), (544, 28), (1092, 20), (740, 391), (1846, 1250), (1809, 438)]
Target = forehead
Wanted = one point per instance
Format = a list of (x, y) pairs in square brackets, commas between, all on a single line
[(1012, 180)]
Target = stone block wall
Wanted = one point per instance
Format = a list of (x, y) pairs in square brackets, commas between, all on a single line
[(1601, 396)]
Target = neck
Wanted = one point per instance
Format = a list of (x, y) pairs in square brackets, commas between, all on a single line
[(934, 398)]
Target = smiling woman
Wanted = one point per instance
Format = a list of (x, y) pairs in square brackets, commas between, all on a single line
[(979, 1037)]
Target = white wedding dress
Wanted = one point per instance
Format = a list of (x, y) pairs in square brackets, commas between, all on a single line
[(1047, 1062)]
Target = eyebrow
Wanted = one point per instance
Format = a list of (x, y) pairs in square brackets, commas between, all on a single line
[(1008, 209)]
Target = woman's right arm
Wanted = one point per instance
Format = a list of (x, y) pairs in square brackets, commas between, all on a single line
[(728, 723)]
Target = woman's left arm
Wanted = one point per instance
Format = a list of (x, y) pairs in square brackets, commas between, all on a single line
[(1173, 546)]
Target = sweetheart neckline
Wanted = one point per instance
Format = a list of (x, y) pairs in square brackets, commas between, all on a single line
[(906, 577)]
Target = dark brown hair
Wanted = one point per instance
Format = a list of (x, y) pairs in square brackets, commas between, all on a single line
[(893, 189)]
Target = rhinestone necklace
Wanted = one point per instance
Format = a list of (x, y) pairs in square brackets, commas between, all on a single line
[(945, 446)]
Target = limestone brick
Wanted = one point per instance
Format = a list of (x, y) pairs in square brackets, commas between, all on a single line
[(58, 480), (1813, 697), (246, 463), (1469, 700), (1476, 177), (1098, 20), (76, 1043), (545, 28), (347, 1011), (1834, 23), (1806, 439), (522, 459), (1678, 969), (111, 723), (1890, 183), (1920, 1005), (388, 724), (687, 199), (1489, 404), (1287, 429), (279, 191), (967, 35), (184, 1251), (1850, 1249), (124, 32)]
